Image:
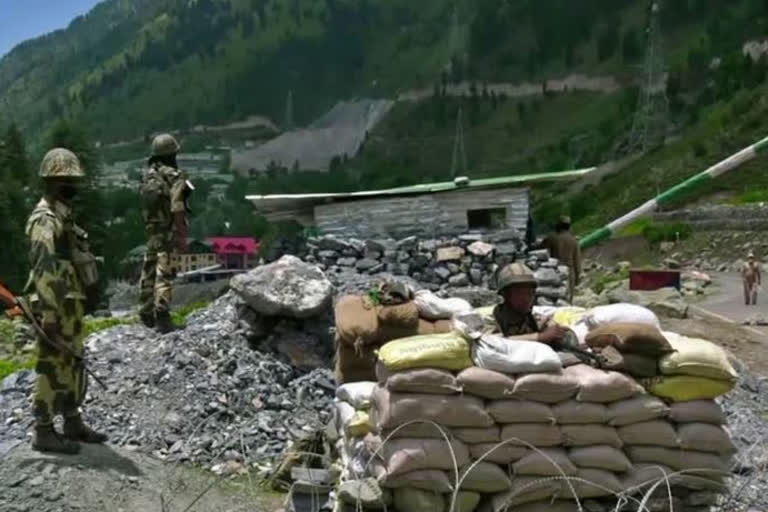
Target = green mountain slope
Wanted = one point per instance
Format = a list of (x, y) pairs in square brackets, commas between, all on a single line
[(133, 66)]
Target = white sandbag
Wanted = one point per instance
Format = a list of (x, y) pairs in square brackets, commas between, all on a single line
[(344, 414), (494, 352), (357, 394), (620, 313), (432, 307)]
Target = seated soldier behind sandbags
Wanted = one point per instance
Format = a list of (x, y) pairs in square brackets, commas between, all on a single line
[(514, 316)]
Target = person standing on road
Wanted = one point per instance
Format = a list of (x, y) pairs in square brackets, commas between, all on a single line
[(750, 274), (563, 246), (164, 190)]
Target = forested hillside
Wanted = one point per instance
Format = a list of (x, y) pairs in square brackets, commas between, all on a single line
[(131, 67)]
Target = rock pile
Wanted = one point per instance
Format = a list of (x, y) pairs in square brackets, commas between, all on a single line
[(204, 394), (464, 262)]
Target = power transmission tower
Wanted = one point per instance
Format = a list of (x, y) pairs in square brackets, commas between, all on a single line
[(650, 122), (459, 160), (289, 111)]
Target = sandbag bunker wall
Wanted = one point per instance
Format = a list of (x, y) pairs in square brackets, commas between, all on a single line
[(530, 442), (466, 260)]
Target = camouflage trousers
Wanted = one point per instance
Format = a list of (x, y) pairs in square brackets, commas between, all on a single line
[(61, 379), (157, 276)]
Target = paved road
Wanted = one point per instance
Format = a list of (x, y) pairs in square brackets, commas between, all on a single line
[(727, 299)]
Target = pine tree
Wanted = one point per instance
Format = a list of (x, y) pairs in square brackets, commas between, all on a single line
[(14, 208)]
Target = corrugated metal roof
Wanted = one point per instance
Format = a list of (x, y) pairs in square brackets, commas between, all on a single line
[(277, 202)]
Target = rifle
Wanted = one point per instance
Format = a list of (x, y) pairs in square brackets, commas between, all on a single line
[(18, 306)]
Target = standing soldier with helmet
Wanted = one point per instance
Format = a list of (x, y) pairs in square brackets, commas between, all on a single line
[(62, 272), (564, 246), (164, 190)]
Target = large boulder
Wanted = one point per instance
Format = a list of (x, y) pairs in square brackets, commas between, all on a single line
[(287, 287), (667, 302)]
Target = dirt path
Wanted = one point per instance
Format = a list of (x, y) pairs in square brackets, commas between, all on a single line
[(104, 478)]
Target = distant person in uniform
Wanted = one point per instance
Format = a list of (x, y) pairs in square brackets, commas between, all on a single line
[(514, 316), (164, 190), (750, 274), (562, 245)]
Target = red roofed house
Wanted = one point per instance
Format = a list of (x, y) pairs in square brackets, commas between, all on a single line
[(235, 252)]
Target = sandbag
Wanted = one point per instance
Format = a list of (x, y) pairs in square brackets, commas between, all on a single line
[(432, 307), (365, 492), (636, 410), (706, 438), (359, 425), (496, 453), (549, 506), (418, 430), (549, 388), (568, 316), (588, 435), (630, 339), (579, 413), (405, 315), (520, 411), (448, 351), (478, 435), (351, 366), (391, 410), (642, 475), (620, 313), (593, 483), (547, 462), (684, 388), (486, 383), (602, 457), (400, 456), (423, 380), (466, 501), (696, 357), (356, 319), (539, 435), (636, 365), (525, 489), (602, 386), (494, 352), (709, 464), (697, 411), (425, 479), (357, 394), (484, 477), (408, 499), (649, 433), (344, 412)]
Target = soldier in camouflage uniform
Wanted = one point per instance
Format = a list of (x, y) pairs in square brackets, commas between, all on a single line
[(163, 191), (59, 282), (514, 316)]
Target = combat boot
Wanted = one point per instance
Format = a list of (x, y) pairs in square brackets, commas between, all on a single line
[(164, 323), (46, 439), (148, 319), (75, 429)]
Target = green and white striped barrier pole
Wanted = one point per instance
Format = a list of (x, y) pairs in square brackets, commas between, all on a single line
[(733, 161)]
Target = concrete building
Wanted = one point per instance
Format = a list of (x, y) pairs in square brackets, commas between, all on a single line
[(434, 209)]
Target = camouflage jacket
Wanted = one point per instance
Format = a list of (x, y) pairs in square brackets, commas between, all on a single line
[(162, 193), (512, 323), (52, 277)]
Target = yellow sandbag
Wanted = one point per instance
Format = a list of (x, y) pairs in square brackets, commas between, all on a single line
[(360, 424), (568, 317), (684, 388), (449, 351), (696, 357)]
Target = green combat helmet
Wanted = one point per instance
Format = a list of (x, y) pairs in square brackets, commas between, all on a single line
[(61, 163), (164, 145), (515, 274)]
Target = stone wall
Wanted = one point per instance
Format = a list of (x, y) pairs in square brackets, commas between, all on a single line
[(720, 217), (426, 215), (450, 265)]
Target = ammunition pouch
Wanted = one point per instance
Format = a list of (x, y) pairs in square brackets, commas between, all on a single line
[(83, 260)]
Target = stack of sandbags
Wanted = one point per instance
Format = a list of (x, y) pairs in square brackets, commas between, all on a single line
[(362, 327), (352, 422)]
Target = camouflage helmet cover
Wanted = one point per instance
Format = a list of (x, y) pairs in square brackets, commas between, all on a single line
[(61, 163), (515, 274), (165, 144)]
